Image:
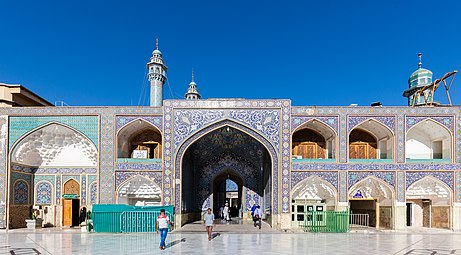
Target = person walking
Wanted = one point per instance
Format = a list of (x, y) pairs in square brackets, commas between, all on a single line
[(257, 216), (163, 222), (209, 223), (226, 212), (253, 208)]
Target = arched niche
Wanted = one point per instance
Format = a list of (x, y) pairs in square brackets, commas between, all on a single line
[(72, 187), (139, 190), (139, 139), (429, 203), (428, 139), (315, 188), (373, 188), (54, 145), (43, 193), (430, 188), (371, 140), (314, 140)]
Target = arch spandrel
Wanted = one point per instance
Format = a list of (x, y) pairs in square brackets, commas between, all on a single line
[(372, 187), (430, 187), (315, 188)]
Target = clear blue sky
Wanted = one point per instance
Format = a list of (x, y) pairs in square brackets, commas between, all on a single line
[(312, 52)]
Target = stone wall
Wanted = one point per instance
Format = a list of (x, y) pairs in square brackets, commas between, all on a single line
[(440, 216)]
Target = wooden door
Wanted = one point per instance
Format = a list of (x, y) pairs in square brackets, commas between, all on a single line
[(72, 187), (67, 212)]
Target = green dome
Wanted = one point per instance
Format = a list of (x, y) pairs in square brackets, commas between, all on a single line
[(421, 76)]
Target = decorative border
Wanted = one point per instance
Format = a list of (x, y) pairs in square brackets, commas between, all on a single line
[(138, 166), (53, 170), (374, 166)]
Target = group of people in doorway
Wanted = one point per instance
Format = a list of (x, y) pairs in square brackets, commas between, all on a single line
[(163, 221)]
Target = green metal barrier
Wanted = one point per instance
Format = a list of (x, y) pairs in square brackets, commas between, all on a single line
[(140, 221), (109, 218), (327, 221)]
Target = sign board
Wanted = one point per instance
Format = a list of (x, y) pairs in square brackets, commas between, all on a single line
[(70, 196), (140, 154)]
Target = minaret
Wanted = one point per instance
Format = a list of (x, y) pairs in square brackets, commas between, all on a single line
[(192, 91), (156, 76)]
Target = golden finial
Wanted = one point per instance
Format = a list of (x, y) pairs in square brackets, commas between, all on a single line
[(192, 74), (420, 56), (156, 43)]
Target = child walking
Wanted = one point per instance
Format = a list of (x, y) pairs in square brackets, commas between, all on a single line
[(163, 221), (209, 222)]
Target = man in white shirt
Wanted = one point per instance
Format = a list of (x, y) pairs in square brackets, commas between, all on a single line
[(257, 216), (163, 222)]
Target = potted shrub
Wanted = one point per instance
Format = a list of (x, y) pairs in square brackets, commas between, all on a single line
[(34, 221)]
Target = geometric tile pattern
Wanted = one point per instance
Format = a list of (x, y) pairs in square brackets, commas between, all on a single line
[(400, 189), (83, 197), (106, 167), (122, 176), (457, 187), (94, 193)]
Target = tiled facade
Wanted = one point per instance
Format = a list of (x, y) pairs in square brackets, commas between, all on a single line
[(181, 123)]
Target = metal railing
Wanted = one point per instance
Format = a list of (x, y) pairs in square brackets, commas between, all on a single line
[(327, 221), (137, 221), (360, 219)]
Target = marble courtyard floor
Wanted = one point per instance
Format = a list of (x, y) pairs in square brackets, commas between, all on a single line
[(71, 241)]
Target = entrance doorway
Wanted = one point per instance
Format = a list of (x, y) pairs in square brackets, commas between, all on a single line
[(226, 154), (227, 188), (71, 204), (362, 208), (71, 210)]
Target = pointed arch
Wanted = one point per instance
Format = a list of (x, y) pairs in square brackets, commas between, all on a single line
[(71, 186), (314, 139), (430, 187), (315, 188), (373, 187), (244, 129), (381, 148), (428, 139), (54, 144), (139, 189), (139, 134), (21, 192)]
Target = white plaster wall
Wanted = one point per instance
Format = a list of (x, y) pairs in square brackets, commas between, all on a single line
[(418, 149)]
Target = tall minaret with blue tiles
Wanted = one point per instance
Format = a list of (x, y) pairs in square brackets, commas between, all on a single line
[(156, 76)]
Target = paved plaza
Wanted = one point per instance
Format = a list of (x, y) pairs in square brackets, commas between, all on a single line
[(56, 241)]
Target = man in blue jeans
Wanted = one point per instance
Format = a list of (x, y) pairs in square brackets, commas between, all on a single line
[(163, 222)]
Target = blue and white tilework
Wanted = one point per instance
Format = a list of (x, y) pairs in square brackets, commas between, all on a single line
[(43, 194), (331, 177), (21, 192), (122, 121), (355, 177), (446, 177)]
